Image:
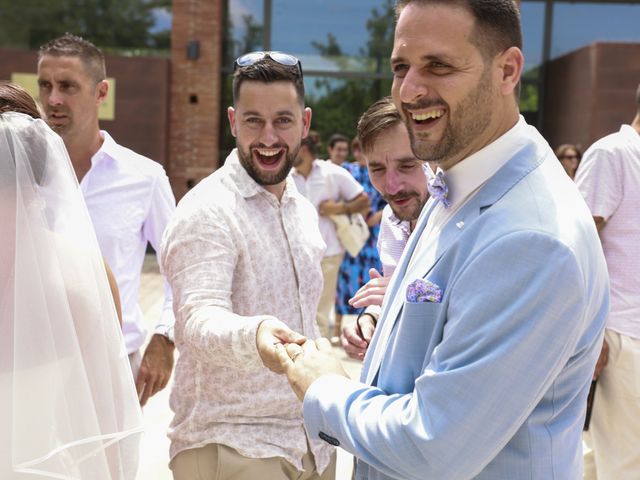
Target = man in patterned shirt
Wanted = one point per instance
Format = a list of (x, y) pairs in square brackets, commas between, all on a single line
[(242, 254)]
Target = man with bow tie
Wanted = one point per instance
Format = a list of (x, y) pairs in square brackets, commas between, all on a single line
[(482, 358)]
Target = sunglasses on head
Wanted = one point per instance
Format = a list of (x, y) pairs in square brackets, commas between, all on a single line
[(279, 57)]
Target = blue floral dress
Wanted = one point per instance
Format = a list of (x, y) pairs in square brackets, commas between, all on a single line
[(354, 272)]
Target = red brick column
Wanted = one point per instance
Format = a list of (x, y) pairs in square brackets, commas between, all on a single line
[(194, 118)]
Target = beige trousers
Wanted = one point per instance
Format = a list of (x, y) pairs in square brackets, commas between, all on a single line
[(614, 432), (219, 462), (330, 269)]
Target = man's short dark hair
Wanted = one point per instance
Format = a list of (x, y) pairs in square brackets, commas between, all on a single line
[(638, 98), (268, 71), (378, 118), (312, 142), (70, 45), (337, 138), (497, 23)]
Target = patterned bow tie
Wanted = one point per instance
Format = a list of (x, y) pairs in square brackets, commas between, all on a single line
[(438, 188)]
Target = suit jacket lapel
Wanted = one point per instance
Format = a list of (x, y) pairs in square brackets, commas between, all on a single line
[(393, 300)]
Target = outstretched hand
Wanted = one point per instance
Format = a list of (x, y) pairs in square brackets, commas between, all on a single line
[(270, 334), (305, 363), (372, 292)]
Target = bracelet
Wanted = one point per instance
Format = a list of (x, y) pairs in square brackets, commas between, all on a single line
[(370, 315)]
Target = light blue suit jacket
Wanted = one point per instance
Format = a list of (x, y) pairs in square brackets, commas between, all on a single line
[(491, 383)]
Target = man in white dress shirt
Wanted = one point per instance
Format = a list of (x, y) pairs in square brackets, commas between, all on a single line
[(333, 191), (242, 254), (128, 196)]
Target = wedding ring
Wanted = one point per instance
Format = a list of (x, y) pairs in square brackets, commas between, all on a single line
[(296, 355)]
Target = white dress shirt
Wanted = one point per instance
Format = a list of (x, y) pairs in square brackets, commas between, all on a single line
[(235, 255), (328, 181), (130, 202), (467, 176)]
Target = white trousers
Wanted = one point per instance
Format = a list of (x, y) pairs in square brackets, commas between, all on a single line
[(614, 432)]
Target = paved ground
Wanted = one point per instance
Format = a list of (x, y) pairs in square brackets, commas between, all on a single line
[(154, 448)]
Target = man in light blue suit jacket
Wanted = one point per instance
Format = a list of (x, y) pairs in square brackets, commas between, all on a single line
[(492, 323)]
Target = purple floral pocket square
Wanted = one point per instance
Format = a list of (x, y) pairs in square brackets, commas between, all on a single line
[(420, 291)]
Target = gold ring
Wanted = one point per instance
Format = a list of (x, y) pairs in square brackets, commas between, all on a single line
[(296, 355)]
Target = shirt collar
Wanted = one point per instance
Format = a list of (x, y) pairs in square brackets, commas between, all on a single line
[(403, 225), (248, 187), (468, 175), (314, 168), (629, 132), (108, 149)]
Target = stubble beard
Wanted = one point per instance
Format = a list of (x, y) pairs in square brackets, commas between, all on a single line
[(412, 214), (262, 177), (471, 118)]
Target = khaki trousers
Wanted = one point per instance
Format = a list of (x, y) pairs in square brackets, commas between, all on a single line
[(614, 432), (219, 462), (330, 268)]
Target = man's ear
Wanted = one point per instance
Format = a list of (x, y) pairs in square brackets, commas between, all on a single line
[(102, 90), (306, 121), (231, 115), (511, 64)]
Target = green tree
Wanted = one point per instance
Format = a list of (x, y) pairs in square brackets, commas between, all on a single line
[(330, 49), (252, 39), (343, 101), (110, 24)]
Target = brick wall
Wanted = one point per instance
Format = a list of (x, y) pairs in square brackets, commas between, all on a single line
[(194, 125)]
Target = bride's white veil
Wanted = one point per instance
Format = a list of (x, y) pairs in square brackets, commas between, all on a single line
[(67, 397)]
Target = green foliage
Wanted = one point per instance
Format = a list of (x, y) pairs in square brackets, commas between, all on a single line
[(340, 108), (529, 93), (110, 24), (342, 102), (253, 35), (529, 97), (381, 27), (330, 49)]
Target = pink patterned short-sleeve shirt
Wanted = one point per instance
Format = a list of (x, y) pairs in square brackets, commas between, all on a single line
[(234, 256)]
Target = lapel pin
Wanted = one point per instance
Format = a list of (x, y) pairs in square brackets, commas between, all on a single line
[(460, 225)]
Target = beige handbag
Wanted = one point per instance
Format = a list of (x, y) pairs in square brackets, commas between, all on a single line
[(352, 230)]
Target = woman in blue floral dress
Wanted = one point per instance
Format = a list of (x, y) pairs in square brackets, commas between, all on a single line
[(354, 272)]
